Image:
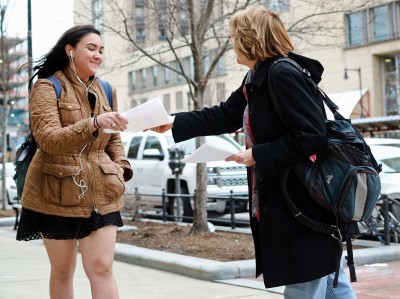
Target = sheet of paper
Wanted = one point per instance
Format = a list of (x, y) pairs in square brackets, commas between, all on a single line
[(145, 116), (209, 153)]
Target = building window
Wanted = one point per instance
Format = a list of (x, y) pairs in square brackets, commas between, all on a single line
[(278, 5), (221, 66), (179, 76), (97, 14), (154, 70), (206, 64), (391, 81), (380, 23), (161, 32), (184, 21), (373, 24), (355, 28), (167, 102), (140, 35), (132, 82), (143, 78), (220, 92), (190, 61), (140, 22), (167, 74), (179, 100)]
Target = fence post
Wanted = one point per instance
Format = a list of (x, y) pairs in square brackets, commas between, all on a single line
[(136, 206), (386, 220), (164, 205), (232, 200)]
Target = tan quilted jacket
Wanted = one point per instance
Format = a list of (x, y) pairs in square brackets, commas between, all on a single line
[(69, 155)]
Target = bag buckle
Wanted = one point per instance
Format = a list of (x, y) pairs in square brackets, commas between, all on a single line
[(335, 233)]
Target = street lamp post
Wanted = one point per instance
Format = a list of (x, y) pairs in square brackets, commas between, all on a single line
[(358, 70)]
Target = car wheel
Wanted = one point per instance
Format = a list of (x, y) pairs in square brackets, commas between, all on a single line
[(186, 208)]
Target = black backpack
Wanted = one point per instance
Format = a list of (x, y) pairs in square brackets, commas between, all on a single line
[(27, 150), (344, 178)]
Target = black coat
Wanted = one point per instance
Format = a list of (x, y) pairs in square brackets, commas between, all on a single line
[(287, 252)]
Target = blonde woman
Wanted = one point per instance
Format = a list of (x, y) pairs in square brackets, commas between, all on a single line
[(287, 252)]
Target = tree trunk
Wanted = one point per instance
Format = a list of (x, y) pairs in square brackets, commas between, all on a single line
[(200, 224)]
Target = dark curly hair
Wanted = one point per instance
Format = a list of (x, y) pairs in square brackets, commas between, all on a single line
[(56, 59)]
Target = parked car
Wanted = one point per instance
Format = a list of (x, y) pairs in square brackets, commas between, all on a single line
[(10, 183), (149, 157), (383, 141), (389, 157), (387, 153)]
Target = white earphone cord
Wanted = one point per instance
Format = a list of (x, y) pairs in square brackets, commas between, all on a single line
[(79, 79), (82, 184)]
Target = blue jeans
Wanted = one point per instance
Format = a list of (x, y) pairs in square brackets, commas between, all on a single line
[(322, 288)]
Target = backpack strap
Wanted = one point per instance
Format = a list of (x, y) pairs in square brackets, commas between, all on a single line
[(329, 103), (57, 86), (108, 90)]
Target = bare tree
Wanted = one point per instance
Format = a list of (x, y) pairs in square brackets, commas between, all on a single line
[(201, 26)]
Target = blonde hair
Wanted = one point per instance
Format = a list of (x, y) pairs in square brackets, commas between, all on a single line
[(258, 33)]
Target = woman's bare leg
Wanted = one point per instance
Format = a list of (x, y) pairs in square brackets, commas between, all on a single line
[(62, 255), (97, 252)]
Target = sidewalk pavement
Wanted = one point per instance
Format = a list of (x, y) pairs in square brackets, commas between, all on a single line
[(24, 273), (145, 273)]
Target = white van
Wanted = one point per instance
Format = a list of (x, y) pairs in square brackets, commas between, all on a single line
[(149, 157)]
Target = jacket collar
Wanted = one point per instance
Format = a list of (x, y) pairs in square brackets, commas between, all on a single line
[(262, 71), (313, 66)]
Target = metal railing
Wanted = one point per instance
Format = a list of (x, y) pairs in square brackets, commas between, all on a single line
[(384, 226), (140, 200)]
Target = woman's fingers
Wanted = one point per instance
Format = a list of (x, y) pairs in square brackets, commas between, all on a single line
[(161, 129), (244, 157), (113, 121)]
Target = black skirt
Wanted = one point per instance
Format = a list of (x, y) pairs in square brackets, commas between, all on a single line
[(34, 225)]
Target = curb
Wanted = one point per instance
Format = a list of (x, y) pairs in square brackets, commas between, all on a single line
[(184, 265), (7, 221), (214, 270)]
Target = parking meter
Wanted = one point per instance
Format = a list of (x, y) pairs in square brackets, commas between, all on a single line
[(176, 164), (176, 156)]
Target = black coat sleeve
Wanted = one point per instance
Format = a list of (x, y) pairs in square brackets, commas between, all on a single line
[(226, 117), (303, 123)]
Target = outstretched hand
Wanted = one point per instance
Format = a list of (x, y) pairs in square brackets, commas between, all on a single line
[(111, 120), (161, 129), (244, 157)]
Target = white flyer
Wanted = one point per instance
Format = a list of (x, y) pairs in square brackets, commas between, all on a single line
[(145, 116), (208, 153)]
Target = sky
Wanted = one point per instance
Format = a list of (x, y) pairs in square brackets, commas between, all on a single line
[(50, 18)]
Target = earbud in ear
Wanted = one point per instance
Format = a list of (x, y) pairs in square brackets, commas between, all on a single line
[(70, 54)]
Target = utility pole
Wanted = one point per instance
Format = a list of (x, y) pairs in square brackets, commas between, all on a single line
[(30, 39), (4, 64)]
